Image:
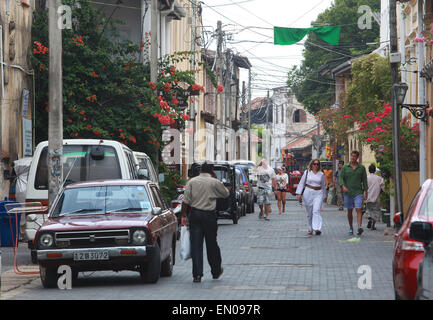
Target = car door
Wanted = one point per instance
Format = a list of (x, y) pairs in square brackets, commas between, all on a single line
[(165, 222)]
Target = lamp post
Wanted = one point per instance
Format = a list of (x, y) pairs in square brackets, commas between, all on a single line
[(399, 92), (419, 112)]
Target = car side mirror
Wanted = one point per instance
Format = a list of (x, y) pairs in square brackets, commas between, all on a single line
[(156, 211), (397, 219), (143, 174), (421, 231)]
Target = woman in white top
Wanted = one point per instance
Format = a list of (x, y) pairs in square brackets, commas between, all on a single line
[(282, 181), (312, 192)]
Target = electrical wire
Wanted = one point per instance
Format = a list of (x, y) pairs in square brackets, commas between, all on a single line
[(230, 4), (267, 22)]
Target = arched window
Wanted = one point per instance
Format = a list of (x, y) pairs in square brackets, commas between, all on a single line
[(299, 116)]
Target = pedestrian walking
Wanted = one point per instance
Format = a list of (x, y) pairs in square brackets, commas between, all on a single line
[(353, 181), (282, 181), (375, 185), (338, 189), (312, 193), (328, 176), (266, 182), (200, 195)]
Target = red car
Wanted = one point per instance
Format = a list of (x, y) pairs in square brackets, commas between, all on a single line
[(108, 225), (408, 253)]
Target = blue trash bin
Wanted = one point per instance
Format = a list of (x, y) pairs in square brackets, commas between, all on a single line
[(8, 237)]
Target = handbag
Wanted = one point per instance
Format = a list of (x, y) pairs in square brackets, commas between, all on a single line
[(305, 183), (185, 243)]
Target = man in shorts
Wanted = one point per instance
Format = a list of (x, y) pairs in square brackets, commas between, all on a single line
[(266, 182), (353, 181)]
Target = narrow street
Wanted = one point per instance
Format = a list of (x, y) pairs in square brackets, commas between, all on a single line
[(263, 260)]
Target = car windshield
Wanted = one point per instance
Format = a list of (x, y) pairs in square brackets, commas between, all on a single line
[(103, 199), (427, 205), (78, 165)]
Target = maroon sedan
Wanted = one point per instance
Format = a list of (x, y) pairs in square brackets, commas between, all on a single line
[(408, 253), (108, 225)]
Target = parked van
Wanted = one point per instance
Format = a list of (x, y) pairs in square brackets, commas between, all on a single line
[(83, 160), (145, 167)]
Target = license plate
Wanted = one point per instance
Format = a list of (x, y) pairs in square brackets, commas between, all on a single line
[(84, 256)]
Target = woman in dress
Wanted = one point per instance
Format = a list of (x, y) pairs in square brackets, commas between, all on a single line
[(282, 181), (312, 192)]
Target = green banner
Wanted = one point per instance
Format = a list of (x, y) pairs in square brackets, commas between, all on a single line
[(288, 36)]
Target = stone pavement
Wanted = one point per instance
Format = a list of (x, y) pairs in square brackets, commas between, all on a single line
[(263, 260)]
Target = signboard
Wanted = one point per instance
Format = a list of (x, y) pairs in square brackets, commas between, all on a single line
[(27, 138), (25, 106)]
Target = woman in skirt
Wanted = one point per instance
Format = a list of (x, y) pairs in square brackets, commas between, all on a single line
[(282, 181), (311, 191)]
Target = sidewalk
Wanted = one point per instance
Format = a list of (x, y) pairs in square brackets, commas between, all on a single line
[(11, 282)]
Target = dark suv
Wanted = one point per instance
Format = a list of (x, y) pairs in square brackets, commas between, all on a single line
[(234, 206)]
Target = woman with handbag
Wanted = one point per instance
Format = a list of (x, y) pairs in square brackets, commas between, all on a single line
[(312, 192)]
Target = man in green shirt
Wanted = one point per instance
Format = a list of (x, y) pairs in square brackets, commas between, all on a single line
[(353, 181)]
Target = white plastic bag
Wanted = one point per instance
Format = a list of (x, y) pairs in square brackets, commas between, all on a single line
[(185, 243)]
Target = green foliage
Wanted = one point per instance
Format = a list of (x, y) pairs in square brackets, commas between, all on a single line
[(311, 88), (106, 89), (172, 179), (370, 88)]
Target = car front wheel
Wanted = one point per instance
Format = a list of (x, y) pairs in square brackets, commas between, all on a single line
[(151, 271), (167, 265), (48, 277)]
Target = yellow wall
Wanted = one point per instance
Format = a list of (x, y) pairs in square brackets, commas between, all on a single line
[(409, 187)]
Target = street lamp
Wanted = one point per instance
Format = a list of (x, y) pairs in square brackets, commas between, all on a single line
[(419, 111), (400, 90)]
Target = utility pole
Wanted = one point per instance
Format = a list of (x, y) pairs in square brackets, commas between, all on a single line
[(154, 41), (217, 75), (55, 102), (267, 130), (193, 66), (395, 107), (249, 113), (421, 95), (228, 101)]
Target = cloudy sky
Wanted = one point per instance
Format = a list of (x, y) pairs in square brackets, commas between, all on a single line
[(248, 25)]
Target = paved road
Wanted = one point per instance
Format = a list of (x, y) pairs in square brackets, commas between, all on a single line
[(263, 260)]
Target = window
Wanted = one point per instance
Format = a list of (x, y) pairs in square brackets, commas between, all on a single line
[(78, 165), (159, 200), (299, 116), (282, 113), (99, 200), (427, 205), (131, 164)]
